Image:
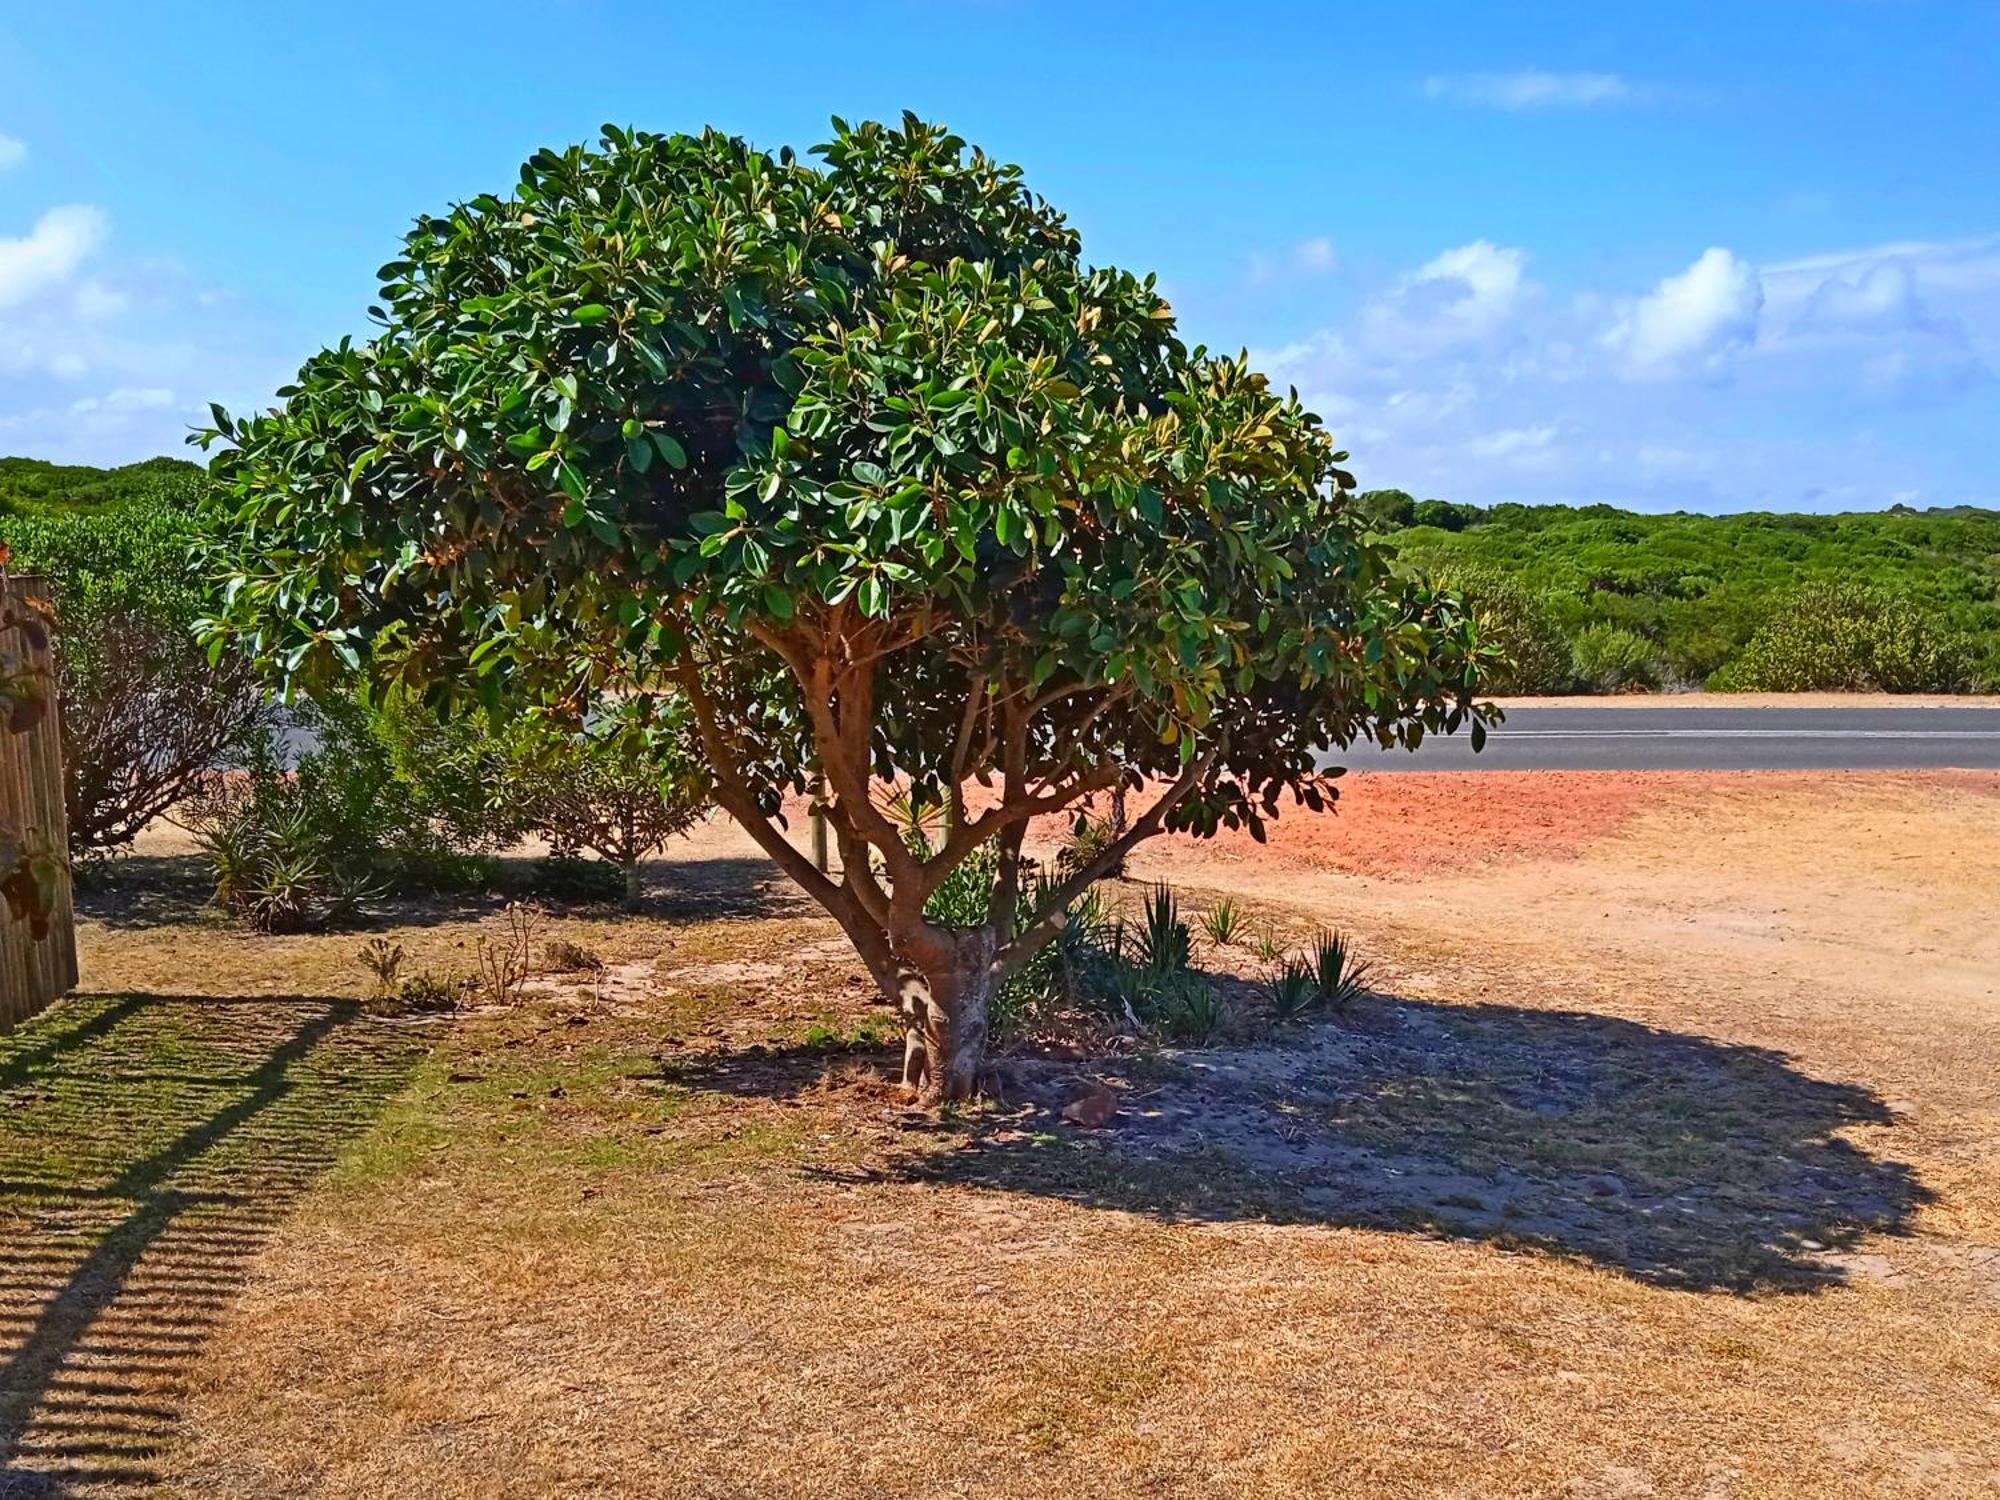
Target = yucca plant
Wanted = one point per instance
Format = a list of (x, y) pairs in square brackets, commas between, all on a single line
[(1223, 922), (384, 960), (1338, 976), (1267, 947), (1291, 990), (1192, 1009), (1163, 944)]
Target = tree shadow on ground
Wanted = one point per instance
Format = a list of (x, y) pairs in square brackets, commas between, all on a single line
[(1675, 1159), (140, 892), (148, 1149)]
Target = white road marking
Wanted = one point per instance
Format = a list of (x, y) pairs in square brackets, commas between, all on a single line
[(1503, 732)]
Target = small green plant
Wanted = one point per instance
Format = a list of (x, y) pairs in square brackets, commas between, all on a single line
[(1223, 922), (1267, 947), (1338, 977), (384, 961), (1163, 945), (1191, 1009), (430, 992), (562, 956), (1291, 990)]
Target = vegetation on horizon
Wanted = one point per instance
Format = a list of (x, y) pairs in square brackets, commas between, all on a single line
[(1592, 598)]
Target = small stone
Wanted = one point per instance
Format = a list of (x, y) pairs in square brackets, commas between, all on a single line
[(1605, 1186), (1094, 1110)]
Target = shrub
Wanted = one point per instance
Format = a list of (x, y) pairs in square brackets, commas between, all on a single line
[(1537, 655), (146, 714), (563, 956), (1162, 945), (1844, 637), (346, 803), (430, 992), (619, 786), (276, 862), (1609, 659), (384, 962), (570, 878)]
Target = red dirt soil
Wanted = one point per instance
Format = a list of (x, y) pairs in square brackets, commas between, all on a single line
[(1416, 823)]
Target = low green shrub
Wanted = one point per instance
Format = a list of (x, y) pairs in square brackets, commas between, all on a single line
[(1845, 637), (1609, 659), (573, 880)]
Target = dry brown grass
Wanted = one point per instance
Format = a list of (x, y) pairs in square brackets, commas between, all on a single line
[(642, 1239)]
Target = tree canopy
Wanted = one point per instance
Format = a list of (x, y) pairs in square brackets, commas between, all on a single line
[(865, 461)]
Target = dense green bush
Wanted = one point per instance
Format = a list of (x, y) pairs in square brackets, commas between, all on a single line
[(345, 801), (1518, 621), (145, 712), (1839, 637), (1609, 659)]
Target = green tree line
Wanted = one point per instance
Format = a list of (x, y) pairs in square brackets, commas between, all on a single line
[(1597, 599)]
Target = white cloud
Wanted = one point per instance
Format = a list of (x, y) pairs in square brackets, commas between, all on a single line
[(96, 301), (1308, 258), (1466, 378), (1533, 88), (12, 152), (1461, 296), (1711, 306), (49, 254), (126, 398), (1515, 443)]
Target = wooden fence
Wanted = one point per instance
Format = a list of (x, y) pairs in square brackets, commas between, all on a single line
[(33, 971)]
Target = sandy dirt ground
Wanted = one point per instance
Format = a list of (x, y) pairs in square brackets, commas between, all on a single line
[(1665, 1162)]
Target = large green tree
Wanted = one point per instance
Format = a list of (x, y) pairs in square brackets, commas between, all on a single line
[(866, 463)]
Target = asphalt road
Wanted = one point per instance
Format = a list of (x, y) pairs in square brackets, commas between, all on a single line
[(1710, 739)]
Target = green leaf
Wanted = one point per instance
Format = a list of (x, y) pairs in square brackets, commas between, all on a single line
[(671, 451), (591, 314)]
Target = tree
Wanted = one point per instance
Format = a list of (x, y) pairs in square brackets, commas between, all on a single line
[(146, 713), (620, 786), (868, 465)]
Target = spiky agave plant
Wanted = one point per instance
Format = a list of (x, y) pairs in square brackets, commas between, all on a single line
[(1223, 922), (1163, 944), (1338, 976), (1291, 990)]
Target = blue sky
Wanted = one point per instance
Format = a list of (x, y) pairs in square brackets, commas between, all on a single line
[(1699, 256)]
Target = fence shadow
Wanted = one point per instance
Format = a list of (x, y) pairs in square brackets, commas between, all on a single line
[(1675, 1159), (140, 892), (148, 1149)]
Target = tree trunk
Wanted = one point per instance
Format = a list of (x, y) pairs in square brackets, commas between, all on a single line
[(946, 1017), (633, 888)]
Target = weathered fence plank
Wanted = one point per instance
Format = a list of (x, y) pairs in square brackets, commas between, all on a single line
[(33, 971)]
